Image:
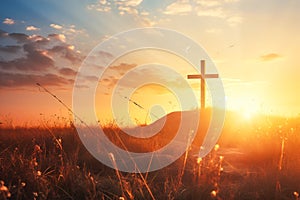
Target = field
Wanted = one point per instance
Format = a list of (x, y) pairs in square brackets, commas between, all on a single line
[(254, 159)]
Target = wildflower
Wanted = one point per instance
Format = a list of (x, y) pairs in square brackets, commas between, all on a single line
[(4, 192), (39, 173), (121, 198), (23, 184), (296, 194)]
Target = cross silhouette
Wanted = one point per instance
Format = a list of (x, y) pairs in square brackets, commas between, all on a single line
[(202, 76)]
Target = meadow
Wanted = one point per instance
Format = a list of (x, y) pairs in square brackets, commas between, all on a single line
[(257, 158)]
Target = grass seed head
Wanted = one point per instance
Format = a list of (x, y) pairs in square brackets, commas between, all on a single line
[(199, 160), (4, 190), (213, 193), (37, 149), (217, 146)]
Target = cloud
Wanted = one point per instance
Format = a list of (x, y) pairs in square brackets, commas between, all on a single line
[(122, 7), (60, 37), (67, 72), (40, 40), (270, 57), (129, 7), (3, 34), (56, 26), (32, 28), (66, 52), (128, 10), (71, 31), (122, 68), (113, 73), (147, 21), (71, 47), (34, 60), (181, 7), (96, 61), (221, 9), (213, 2), (8, 21), (31, 58), (135, 9), (22, 80), (213, 8), (101, 6), (132, 3), (10, 48), (19, 37)]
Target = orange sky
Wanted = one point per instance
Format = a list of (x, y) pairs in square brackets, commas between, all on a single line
[(253, 44)]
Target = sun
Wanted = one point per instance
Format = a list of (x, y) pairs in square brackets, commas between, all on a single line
[(248, 114)]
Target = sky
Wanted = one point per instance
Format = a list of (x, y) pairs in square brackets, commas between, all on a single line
[(253, 44)]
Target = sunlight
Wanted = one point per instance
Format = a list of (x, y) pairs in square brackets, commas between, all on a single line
[(248, 114), (249, 111)]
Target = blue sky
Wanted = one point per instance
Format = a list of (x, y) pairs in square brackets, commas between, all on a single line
[(92, 17)]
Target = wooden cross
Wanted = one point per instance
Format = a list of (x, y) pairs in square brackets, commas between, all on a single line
[(202, 76)]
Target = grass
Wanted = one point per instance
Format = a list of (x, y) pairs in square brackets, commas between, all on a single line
[(257, 160)]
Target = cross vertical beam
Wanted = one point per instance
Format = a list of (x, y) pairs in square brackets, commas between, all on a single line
[(202, 76), (202, 84)]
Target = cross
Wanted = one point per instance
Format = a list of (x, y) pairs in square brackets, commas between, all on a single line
[(202, 76)]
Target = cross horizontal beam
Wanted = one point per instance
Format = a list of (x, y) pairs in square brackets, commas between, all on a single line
[(199, 76)]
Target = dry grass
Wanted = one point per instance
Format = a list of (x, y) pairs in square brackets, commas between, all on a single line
[(254, 161)]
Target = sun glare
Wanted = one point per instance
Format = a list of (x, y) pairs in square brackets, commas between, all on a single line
[(248, 114)]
